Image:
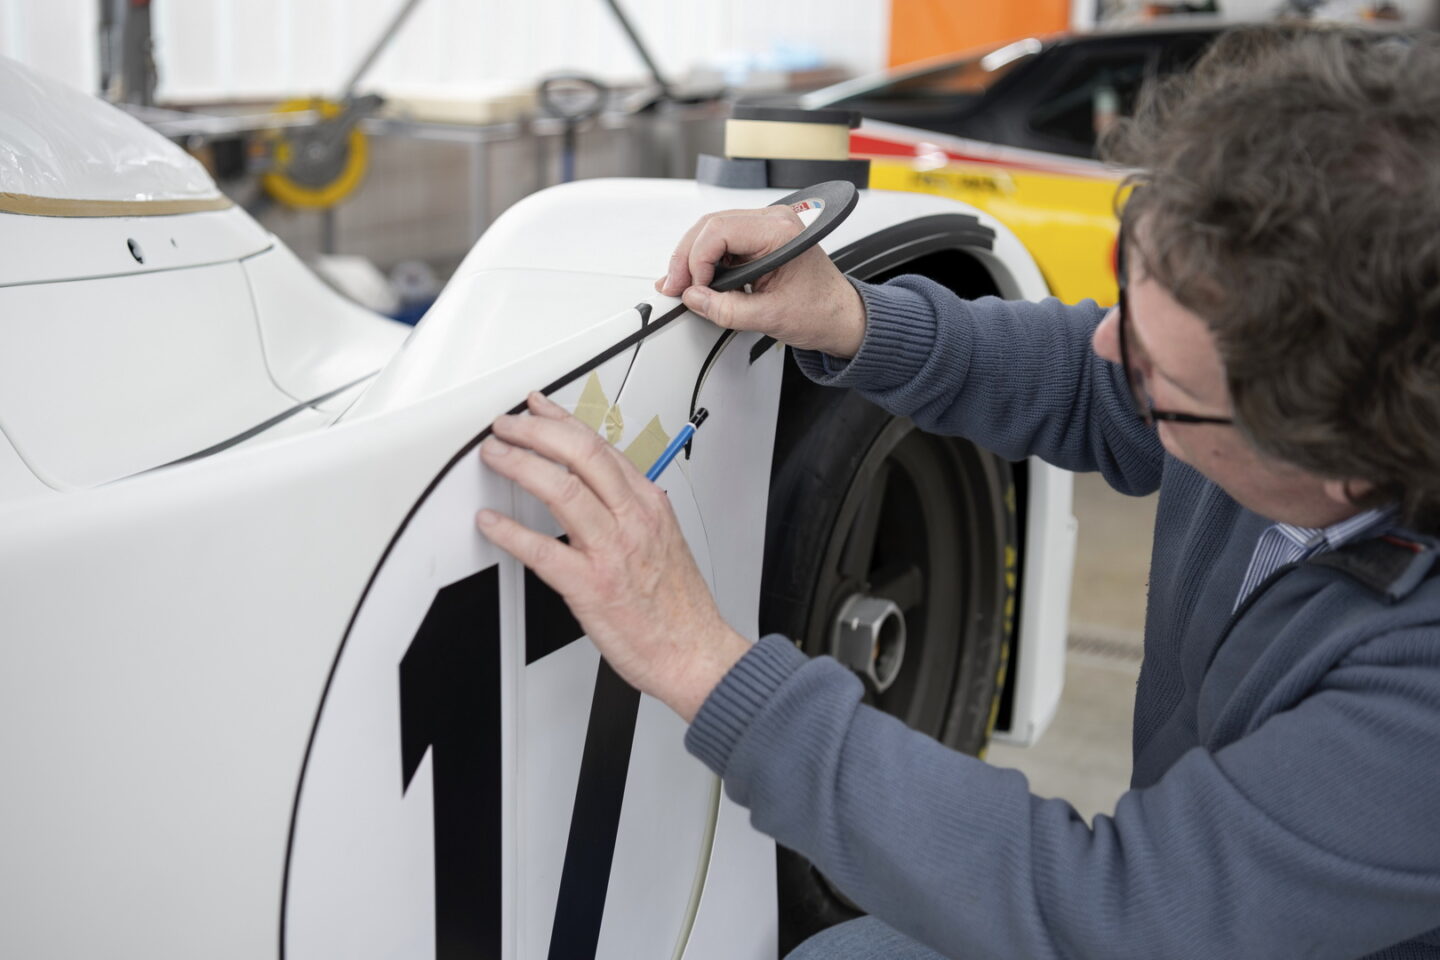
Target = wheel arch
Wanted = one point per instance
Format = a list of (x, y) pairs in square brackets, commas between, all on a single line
[(957, 251)]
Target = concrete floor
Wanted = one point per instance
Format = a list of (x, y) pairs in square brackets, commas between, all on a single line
[(1085, 755)]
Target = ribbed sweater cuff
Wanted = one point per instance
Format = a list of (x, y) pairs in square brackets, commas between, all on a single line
[(900, 330), (744, 691)]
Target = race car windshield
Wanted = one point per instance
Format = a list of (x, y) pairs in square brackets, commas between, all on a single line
[(968, 77)]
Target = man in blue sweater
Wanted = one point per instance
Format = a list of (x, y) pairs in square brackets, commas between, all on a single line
[(1273, 369)]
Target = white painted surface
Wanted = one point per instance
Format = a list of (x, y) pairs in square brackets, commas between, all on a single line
[(554, 708), (737, 393), (155, 730), (737, 918), (42, 249), (17, 481), (629, 227), (1049, 559), (166, 642), (314, 339), (361, 881), (484, 320), (101, 379), (57, 142), (555, 699)]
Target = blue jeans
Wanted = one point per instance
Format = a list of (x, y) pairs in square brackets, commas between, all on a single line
[(863, 938)]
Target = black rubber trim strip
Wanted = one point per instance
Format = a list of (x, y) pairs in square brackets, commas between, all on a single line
[(721, 342), (744, 111), (905, 241), (872, 254), (795, 174), (560, 383), (260, 428)]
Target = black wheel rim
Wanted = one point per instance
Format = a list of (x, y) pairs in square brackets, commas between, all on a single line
[(901, 533)]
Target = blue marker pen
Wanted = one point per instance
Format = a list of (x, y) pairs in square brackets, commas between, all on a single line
[(676, 445)]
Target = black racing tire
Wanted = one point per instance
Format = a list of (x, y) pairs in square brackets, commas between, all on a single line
[(863, 502)]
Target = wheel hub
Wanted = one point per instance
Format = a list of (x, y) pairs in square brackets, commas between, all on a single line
[(869, 638)]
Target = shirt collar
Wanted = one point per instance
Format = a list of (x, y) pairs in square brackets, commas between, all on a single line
[(1337, 534)]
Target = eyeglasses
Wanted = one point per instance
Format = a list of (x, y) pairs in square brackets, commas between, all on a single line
[(1144, 407)]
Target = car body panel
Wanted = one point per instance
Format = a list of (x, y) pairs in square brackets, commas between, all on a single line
[(147, 353), (1012, 130), (244, 695), (1063, 212)]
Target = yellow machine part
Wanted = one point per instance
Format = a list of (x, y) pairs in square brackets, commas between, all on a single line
[(1066, 222), (293, 194)]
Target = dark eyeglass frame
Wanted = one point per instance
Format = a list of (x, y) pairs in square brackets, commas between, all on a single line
[(1144, 406)]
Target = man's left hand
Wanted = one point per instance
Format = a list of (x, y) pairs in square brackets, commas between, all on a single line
[(627, 573)]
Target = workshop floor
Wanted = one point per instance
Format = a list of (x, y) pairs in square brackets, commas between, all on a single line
[(1085, 755)]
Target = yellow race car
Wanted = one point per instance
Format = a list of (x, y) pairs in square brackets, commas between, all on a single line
[(1012, 129)]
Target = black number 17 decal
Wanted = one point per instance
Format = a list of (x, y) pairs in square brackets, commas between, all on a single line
[(450, 705)]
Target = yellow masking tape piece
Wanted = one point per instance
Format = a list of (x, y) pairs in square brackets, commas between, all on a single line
[(778, 140), (591, 407), (648, 444), (614, 425)]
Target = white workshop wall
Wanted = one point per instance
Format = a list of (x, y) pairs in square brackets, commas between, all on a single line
[(220, 49), (57, 37)]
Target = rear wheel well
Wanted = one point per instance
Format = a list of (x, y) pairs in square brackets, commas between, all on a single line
[(958, 271)]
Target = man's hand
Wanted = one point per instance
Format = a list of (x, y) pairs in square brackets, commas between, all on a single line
[(627, 573), (807, 303)]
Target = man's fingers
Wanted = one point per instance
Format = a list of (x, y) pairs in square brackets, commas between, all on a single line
[(677, 272), (567, 495), (734, 310), (723, 235), (560, 565), (543, 406), (739, 234), (555, 434), (632, 474)]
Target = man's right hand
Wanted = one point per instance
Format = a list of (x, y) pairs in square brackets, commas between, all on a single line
[(807, 303)]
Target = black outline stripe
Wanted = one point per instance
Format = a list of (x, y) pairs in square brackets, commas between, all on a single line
[(260, 428)]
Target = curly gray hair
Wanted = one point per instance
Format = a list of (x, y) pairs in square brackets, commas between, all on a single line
[(1290, 195)]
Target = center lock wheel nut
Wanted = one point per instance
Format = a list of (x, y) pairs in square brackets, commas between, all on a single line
[(869, 638)]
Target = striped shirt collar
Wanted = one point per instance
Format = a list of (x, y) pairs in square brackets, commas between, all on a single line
[(1284, 543)]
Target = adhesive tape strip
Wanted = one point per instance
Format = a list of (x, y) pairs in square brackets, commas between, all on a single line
[(32, 206), (770, 139)]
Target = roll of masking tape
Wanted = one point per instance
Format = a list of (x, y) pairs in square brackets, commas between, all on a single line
[(772, 139)]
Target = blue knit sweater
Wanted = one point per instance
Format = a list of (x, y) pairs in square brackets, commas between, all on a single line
[(1286, 792)]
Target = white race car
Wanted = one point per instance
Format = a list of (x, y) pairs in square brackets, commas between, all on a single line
[(265, 691)]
